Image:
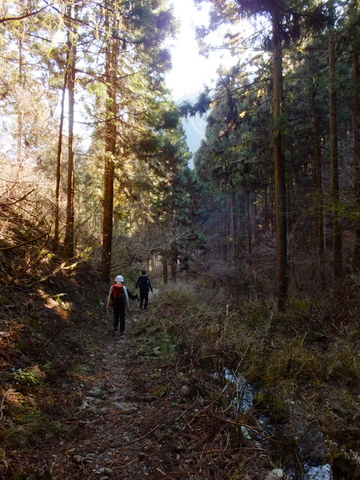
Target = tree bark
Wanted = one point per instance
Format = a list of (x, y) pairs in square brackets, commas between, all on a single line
[(165, 272), (69, 246), (337, 245), (248, 220), (110, 152), (318, 178), (279, 170), (266, 212), (356, 146), (20, 119), (174, 269), (58, 163), (224, 238), (232, 226)]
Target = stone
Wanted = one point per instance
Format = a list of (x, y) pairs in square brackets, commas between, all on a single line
[(184, 391), (276, 474), (96, 392)]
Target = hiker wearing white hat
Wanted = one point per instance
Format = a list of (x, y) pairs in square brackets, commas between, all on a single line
[(118, 299)]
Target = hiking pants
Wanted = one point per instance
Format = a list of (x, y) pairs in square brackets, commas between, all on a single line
[(119, 316), (144, 298)]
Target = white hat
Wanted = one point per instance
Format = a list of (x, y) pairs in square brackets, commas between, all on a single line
[(119, 279)]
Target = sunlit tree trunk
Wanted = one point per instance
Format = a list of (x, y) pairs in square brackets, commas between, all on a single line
[(20, 117), (58, 163), (69, 246)]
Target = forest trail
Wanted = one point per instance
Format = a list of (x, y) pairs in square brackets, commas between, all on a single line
[(114, 408), (131, 423), (115, 435)]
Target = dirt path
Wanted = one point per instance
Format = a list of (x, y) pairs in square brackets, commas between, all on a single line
[(144, 414), (129, 422)]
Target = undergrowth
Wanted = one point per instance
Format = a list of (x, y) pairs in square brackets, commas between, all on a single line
[(303, 368), (297, 372), (48, 333)]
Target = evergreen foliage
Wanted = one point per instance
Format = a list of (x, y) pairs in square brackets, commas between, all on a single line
[(236, 153), (117, 190)]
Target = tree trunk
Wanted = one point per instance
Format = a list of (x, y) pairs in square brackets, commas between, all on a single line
[(279, 170), (356, 127), (110, 151), (248, 220), (319, 231), (20, 117), (319, 190), (290, 206), (224, 238), (70, 215), (337, 246), (58, 163), (165, 272), (174, 269), (232, 226), (266, 212)]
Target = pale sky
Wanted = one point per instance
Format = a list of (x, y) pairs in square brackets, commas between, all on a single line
[(190, 70)]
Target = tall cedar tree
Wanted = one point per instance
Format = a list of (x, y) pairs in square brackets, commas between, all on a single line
[(285, 17)]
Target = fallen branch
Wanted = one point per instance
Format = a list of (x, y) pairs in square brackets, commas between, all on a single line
[(164, 474), (25, 243), (2, 406), (228, 450), (144, 436), (206, 408)]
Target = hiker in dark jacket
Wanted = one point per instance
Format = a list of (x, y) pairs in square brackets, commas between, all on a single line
[(144, 284), (118, 298)]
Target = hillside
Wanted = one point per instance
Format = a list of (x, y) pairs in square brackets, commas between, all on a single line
[(167, 401), (80, 402), (213, 382), (247, 364)]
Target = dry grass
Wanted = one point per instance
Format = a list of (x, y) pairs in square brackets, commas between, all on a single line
[(303, 368)]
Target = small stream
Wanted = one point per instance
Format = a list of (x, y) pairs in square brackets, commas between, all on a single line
[(302, 459)]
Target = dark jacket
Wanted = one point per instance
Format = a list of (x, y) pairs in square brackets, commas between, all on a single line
[(144, 284)]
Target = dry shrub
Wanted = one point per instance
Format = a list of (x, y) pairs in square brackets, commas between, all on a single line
[(177, 297), (303, 364)]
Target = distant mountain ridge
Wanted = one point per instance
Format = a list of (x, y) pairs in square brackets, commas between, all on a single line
[(194, 127), (194, 130)]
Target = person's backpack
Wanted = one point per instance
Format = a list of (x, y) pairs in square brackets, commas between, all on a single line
[(117, 293), (143, 283)]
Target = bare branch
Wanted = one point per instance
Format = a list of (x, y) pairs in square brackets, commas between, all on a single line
[(18, 200), (21, 17), (25, 243)]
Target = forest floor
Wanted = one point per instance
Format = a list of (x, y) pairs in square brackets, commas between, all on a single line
[(125, 426), (130, 409), (80, 402), (136, 420)]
